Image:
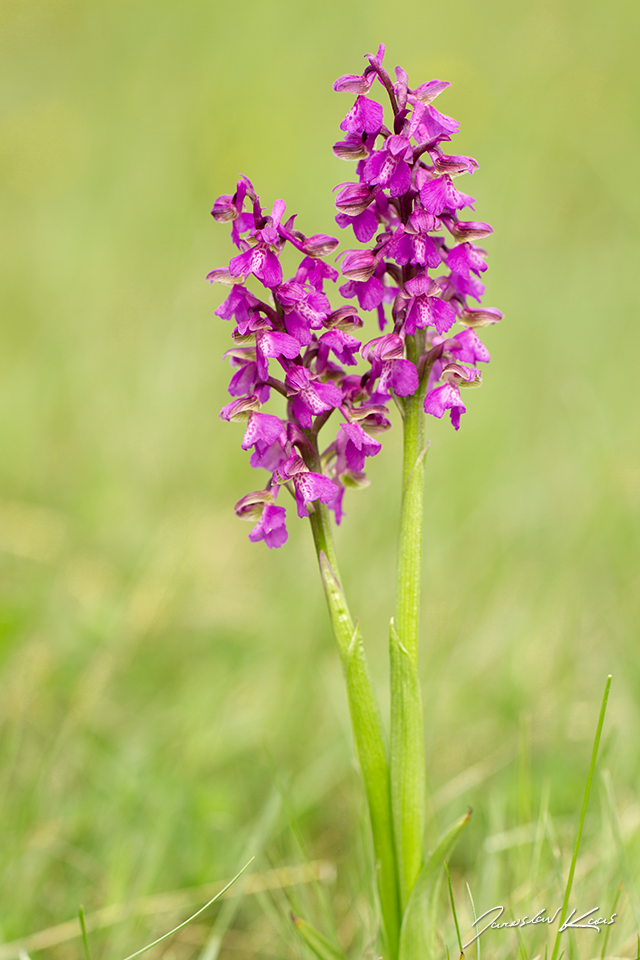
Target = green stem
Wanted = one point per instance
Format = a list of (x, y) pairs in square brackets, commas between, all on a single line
[(411, 518), (407, 733), (367, 727)]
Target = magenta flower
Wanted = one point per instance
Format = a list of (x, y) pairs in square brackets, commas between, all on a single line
[(388, 366), (271, 527), (440, 195), (370, 293), (306, 309), (261, 428), (446, 397), (365, 117), (426, 308), (353, 445), (465, 257), (389, 167), (261, 261), (309, 486), (309, 397), (269, 343), (343, 344)]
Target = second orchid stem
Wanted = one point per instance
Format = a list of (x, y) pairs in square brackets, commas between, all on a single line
[(407, 761)]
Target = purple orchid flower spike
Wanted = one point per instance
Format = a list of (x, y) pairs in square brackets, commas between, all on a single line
[(418, 270)]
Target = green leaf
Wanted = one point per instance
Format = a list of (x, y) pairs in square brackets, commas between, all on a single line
[(407, 765), (322, 947), (372, 757), (417, 937), (371, 750)]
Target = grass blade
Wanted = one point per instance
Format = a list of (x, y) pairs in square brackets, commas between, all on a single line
[(417, 937), (322, 947), (256, 840), (608, 930), (193, 917), (85, 942), (592, 767), (453, 908), (475, 920), (610, 802)]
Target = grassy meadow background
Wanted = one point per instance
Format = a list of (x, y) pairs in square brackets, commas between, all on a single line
[(170, 698)]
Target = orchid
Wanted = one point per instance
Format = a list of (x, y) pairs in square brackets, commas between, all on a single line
[(416, 274)]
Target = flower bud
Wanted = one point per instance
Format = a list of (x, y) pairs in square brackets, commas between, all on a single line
[(461, 376), (455, 165), (427, 92), (243, 339), (224, 209), (222, 275), (319, 245), (344, 318), (373, 418), (480, 318), (240, 355), (354, 480), (352, 147), (354, 199), (389, 347), (470, 230), (239, 410), (250, 507), (352, 83), (358, 264)]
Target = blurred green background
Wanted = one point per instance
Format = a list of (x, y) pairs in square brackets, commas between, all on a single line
[(158, 673)]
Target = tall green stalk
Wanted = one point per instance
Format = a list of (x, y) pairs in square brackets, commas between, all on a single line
[(407, 733), (394, 783), (367, 727)]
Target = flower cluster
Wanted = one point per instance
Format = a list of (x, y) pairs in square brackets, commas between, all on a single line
[(405, 199)]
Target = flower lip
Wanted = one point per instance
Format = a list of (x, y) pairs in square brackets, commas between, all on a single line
[(271, 527), (446, 397)]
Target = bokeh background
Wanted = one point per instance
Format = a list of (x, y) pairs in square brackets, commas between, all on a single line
[(162, 680)]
